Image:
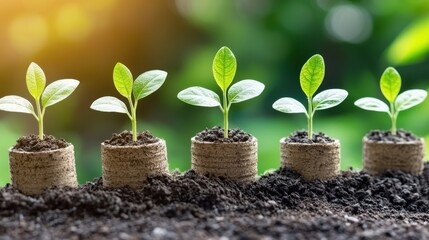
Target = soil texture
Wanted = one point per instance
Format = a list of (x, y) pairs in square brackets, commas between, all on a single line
[(280, 205), (33, 143), (125, 138), (215, 134), (302, 137), (387, 137)]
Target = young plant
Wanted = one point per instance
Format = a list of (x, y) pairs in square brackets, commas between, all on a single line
[(312, 74), (144, 85), (224, 67), (44, 97), (390, 84)]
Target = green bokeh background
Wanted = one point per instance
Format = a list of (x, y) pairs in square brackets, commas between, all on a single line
[(271, 40)]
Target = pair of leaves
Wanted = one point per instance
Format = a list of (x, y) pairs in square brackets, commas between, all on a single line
[(324, 100), (239, 92), (404, 101), (36, 81), (144, 85)]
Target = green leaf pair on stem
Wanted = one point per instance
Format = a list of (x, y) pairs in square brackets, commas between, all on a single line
[(144, 85), (44, 97), (311, 77), (224, 68), (390, 85)]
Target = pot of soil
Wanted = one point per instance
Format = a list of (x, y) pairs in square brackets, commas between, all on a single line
[(315, 159), (36, 165), (128, 163), (235, 157), (383, 151)]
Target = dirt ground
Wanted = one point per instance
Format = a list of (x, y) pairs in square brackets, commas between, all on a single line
[(280, 205)]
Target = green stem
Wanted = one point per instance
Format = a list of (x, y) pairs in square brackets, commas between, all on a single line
[(310, 119), (225, 115), (39, 119), (133, 108), (393, 116)]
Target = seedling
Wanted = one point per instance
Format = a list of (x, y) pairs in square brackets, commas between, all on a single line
[(36, 81), (224, 67), (390, 84), (312, 74), (144, 85)]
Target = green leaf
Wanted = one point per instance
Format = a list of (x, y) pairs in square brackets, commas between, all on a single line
[(312, 74), (109, 104), (412, 44), (123, 80), (199, 96), (244, 90), (224, 67), (35, 80), (329, 98), (148, 82), (58, 91), (16, 104), (372, 104), (289, 105), (390, 84), (409, 99)]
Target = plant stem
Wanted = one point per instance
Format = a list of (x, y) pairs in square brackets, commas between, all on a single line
[(225, 115), (310, 119), (133, 108), (393, 116), (39, 119)]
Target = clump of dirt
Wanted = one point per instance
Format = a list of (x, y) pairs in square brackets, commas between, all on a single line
[(386, 136), (216, 135), (125, 138), (33, 143), (302, 137)]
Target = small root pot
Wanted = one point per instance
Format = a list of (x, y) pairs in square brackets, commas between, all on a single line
[(379, 157), (316, 161), (236, 161), (33, 172), (131, 165)]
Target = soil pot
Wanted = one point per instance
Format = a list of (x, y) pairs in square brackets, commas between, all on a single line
[(131, 165), (237, 161), (379, 157), (33, 172), (312, 160)]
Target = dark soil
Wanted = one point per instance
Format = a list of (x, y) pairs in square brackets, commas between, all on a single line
[(215, 134), (125, 138), (280, 205), (387, 137), (33, 143), (302, 137)]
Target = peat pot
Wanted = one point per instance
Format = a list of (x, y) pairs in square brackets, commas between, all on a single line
[(131, 165), (33, 172), (312, 160), (237, 161), (379, 157)]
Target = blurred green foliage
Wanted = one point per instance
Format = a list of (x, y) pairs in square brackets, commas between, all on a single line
[(271, 40)]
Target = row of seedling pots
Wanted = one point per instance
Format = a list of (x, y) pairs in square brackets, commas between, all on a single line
[(39, 162)]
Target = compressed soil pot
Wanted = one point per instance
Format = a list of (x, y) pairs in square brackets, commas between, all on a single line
[(33, 172), (312, 160), (379, 157), (131, 165), (235, 161)]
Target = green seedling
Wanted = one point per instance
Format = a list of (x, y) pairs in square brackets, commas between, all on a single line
[(390, 85), (45, 97), (224, 67), (311, 77), (144, 85)]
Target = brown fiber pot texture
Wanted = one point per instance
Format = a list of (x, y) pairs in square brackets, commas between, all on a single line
[(379, 157), (131, 165), (313, 161), (33, 172), (234, 161)]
